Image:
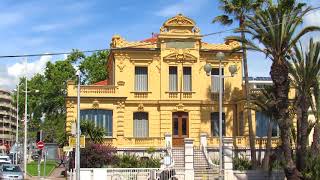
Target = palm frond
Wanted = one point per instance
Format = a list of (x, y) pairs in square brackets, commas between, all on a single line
[(223, 19)]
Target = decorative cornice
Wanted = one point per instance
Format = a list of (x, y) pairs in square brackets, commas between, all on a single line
[(228, 46), (119, 42)]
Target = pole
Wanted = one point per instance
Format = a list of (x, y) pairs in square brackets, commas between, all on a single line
[(45, 161), (25, 123), (40, 157), (220, 120), (77, 159), (17, 125)]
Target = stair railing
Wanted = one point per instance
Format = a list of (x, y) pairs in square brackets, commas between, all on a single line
[(206, 154), (170, 154)]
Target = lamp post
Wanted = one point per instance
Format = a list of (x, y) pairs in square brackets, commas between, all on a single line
[(17, 123), (207, 68), (25, 125), (77, 154)]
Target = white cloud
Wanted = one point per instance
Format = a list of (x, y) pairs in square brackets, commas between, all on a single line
[(9, 76), (186, 7)]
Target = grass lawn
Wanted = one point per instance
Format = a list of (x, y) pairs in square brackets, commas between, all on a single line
[(32, 168)]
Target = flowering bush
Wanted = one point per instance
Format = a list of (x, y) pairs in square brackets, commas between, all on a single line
[(97, 155)]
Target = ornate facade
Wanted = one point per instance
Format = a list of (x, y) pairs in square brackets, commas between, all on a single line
[(158, 86)]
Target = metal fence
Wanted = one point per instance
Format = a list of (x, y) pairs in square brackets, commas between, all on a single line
[(130, 174)]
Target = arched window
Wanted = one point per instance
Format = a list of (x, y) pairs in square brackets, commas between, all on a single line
[(101, 118), (140, 124)]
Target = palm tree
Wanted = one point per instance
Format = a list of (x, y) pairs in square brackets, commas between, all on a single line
[(275, 28), (264, 101), (315, 105), (303, 68), (237, 10), (95, 133)]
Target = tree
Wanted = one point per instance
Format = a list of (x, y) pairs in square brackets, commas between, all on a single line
[(315, 105), (237, 10), (95, 133), (275, 28), (264, 101), (52, 86), (93, 67), (303, 68)]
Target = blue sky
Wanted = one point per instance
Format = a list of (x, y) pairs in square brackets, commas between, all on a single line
[(28, 27)]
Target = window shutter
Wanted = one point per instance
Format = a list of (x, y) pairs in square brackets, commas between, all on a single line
[(141, 79), (140, 124), (187, 84), (215, 80), (215, 124), (173, 78)]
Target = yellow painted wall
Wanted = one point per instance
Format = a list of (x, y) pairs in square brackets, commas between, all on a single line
[(157, 101)]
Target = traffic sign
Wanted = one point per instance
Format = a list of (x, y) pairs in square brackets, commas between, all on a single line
[(72, 141), (40, 145), (67, 148)]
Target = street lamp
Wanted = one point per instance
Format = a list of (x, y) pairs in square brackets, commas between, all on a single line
[(77, 154), (17, 123), (233, 69)]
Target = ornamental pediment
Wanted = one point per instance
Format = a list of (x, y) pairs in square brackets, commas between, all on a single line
[(179, 24), (180, 55), (179, 20)]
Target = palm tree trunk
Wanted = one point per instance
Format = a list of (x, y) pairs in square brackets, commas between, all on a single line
[(279, 75), (268, 146), (315, 139), (247, 90), (302, 130)]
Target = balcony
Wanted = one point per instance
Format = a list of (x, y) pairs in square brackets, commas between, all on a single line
[(93, 90), (136, 142), (176, 95), (243, 142)]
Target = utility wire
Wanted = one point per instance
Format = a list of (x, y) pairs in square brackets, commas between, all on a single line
[(136, 46)]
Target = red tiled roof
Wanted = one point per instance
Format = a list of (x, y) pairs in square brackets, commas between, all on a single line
[(153, 39), (104, 82)]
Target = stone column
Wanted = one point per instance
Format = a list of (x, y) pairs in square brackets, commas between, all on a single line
[(168, 140), (188, 159), (203, 140), (227, 157)]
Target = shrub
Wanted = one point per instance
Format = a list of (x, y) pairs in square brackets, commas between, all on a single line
[(134, 161), (312, 166), (97, 155), (241, 163)]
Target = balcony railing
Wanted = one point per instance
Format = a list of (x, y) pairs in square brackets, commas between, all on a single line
[(243, 142), (176, 95), (136, 142), (97, 90)]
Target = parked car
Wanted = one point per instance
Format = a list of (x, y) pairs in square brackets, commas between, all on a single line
[(4, 162), (5, 158), (10, 171)]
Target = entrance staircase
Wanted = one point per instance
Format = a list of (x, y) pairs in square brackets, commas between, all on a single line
[(178, 157), (202, 169)]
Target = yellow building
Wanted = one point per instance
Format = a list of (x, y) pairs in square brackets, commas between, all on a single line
[(158, 86)]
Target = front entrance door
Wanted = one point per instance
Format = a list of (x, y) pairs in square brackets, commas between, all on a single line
[(180, 128)]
